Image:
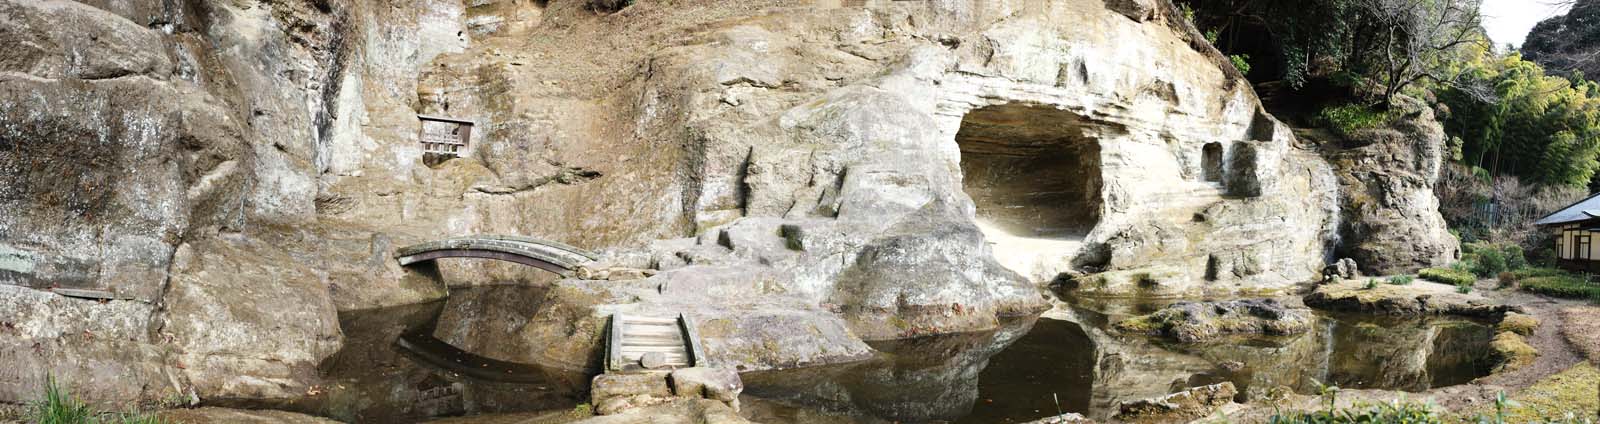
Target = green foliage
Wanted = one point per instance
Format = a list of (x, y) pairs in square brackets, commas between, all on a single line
[(1543, 129), (1539, 272), (1515, 259), (1464, 288), (1349, 118), (1372, 283), (1447, 276), (1567, 286), (1489, 262), (1400, 280), (1240, 62), (59, 407)]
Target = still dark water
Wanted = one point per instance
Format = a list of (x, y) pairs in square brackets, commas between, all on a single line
[(395, 368)]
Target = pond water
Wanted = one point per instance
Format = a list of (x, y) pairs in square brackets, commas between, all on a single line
[(1069, 360), (395, 368)]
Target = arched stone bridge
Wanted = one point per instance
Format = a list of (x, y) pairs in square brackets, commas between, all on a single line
[(548, 255)]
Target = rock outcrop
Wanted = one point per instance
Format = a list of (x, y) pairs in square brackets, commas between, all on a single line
[(1389, 214), (800, 179), (1192, 322), (1420, 298)]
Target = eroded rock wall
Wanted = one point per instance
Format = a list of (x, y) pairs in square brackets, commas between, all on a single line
[(798, 173)]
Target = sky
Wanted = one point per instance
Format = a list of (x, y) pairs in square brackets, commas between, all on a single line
[(1508, 21)]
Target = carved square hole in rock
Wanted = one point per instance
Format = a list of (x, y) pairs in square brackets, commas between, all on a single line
[(1034, 174)]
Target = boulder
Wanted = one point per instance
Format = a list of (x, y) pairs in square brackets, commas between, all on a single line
[(1519, 323), (1191, 322), (719, 384), (1419, 298), (1185, 405), (1391, 221), (618, 393)]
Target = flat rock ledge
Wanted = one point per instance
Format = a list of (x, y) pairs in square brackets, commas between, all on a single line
[(1196, 402), (1421, 297), (1193, 322)]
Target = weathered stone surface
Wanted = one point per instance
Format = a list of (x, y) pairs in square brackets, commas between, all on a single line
[(1191, 403), (1067, 418), (240, 416), (1391, 220), (1522, 324), (798, 179), (246, 321), (1419, 298), (678, 411), (101, 352), (1509, 351), (618, 393), (719, 384), (1344, 268), (1191, 322)]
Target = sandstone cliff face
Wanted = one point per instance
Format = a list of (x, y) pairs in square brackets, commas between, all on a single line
[(1390, 217), (804, 176)]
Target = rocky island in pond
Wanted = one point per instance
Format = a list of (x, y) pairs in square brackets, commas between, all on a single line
[(839, 211)]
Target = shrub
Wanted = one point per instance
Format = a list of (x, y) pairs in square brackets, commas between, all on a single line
[(1489, 263), (1507, 279), (1372, 283), (1566, 286), (1447, 276), (1539, 272), (1241, 62), (1515, 259), (1350, 118), (1400, 280), (1464, 288)]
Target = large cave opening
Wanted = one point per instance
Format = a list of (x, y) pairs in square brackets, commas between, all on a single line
[(1034, 173)]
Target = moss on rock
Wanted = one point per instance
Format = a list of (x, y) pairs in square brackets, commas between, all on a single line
[(1522, 324), (1510, 352)]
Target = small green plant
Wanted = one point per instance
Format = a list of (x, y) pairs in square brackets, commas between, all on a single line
[(1372, 283), (1506, 279), (59, 407), (1464, 288), (583, 409), (1401, 280), (1240, 62), (1447, 276)]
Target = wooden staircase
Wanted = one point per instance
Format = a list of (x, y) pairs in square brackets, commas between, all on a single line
[(671, 342)]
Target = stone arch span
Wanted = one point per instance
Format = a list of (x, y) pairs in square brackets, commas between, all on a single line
[(548, 255)]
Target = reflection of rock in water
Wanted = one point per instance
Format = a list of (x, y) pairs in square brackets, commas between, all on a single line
[(488, 321), (373, 379), (918, 380), (1412, 355), (1403, 354)]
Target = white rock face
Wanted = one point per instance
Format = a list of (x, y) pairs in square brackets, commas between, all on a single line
[(803, 178)]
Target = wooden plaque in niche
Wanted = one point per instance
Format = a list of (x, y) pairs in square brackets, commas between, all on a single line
[(445, 136)]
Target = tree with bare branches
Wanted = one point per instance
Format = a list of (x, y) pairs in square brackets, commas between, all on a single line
[(1418, 38)]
